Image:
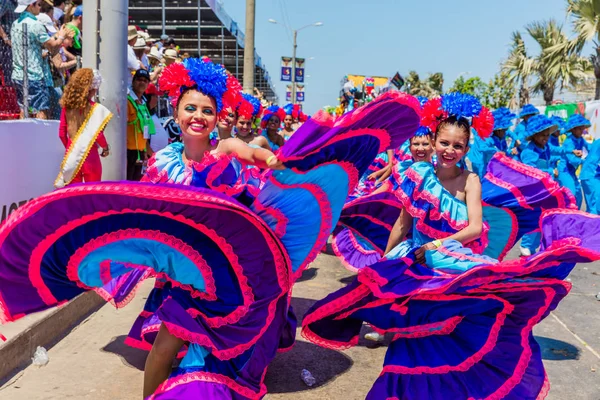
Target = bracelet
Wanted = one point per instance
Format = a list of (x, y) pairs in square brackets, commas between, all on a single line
[(269, 159), (437, 243)]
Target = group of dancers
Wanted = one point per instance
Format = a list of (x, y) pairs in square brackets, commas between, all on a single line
[(226, 225)]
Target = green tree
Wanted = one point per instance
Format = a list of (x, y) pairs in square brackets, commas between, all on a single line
[(473, 86), (519, 67), (559, 61), (586, 22), (430, 87), (499, 92)]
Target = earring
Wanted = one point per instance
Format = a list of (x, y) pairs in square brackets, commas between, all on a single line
[(214, 138)]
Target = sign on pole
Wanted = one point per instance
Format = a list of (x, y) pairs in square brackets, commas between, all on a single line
[(286, 69), (299, 93), (300, 70)]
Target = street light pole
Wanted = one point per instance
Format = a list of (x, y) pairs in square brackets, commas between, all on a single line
[(249, 47), (294, 67)]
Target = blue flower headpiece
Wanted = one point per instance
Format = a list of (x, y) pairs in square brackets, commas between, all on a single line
[(257, 107), (575, 121), (537, 124), (422, 131), (422, 100), (208, 78), (528, 109), (458, 105)]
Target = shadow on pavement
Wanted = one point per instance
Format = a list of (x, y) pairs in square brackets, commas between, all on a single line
[(134, 358), (556, 350), (283, 375), (347, 280), (308, 275), (328, 250), (301, 306)]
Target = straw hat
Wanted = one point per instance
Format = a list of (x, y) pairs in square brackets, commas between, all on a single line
[(140, 44), (170, 53), (132, 32), (155, 54)]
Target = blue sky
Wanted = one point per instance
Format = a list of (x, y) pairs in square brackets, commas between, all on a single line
[(380, 37)]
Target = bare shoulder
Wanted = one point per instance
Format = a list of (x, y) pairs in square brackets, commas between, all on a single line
[(472, 181), (260, 140)]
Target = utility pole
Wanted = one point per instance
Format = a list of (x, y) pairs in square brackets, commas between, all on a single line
[(249, 47), (105, 49), (294, 67), (199, 28), (163, 17)]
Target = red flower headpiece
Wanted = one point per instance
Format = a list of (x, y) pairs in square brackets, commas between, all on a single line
[(173, 78), (245, 109), (483, 123), (232, 97), (433, 114)]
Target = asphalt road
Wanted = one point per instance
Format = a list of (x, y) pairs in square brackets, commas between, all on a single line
[(93, 363)]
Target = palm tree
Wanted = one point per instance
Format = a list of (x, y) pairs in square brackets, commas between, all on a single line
[(559, 60), (586, 22), (519, 67), (430, 87)]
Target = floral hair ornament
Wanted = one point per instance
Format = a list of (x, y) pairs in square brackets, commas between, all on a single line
[(269, 112), (459, 106), (206, 77), (232, 97), (97, 80)]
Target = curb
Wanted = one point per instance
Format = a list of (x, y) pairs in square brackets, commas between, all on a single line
[(16, 353)]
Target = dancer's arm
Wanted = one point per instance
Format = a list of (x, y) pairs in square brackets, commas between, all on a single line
[(260, 157), (399, 230)]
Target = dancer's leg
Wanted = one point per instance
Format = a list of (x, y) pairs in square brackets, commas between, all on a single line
[(160, 360)]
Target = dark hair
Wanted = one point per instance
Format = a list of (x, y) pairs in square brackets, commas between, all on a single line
[(460, 123), (58, 3), (46, 8)]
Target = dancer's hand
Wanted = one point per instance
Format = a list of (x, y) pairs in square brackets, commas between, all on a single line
[(105, 152), (420, 252), (555, 172), (514, 151), (274, 163), (578, 153), (380, 175)]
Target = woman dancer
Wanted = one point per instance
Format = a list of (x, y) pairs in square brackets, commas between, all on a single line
[(291, 117), (271, 124), (461, 322), (227, 268), (248, 109), (82, 123), (365, 224)]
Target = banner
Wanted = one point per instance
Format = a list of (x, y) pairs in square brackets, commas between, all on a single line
[(565, 110), (288, 93), (286, 69), (398, 81), (299, 93), (300, 70)]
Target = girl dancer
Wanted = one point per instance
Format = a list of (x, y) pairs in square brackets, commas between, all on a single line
[(569, 164), (461, 322)]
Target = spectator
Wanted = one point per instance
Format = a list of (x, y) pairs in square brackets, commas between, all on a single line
[(161, 45), (59, 11), (156, 66), (133, 63), (76, 25), (139, 126), (139, 48), (62, 62), (46, 18), (170, 56), (7, 17), (37, 39)]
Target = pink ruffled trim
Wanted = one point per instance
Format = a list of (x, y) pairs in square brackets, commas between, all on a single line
[(371, 219), (462, 256), (511, 188), (280, 218), (551, 185), (326, 220), (472, 360), (323, 118), (328, 309), (341, 256), (113, 237), (372, 304), (445, 327), (513, 232), (381, 134), (202, 376), (120, 304)]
